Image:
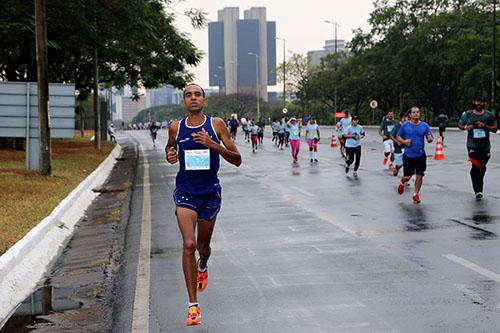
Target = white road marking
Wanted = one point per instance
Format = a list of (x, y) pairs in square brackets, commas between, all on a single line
[(140, 316), (476, 268), (302, 191)]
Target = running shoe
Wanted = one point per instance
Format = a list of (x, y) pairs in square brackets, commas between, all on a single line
[(401, 188), (194, 316), (385, 161), (395, 172), (311, 160), (391, 166), (316, 160), (479, 195), (355, 173), (202, 280), (416, 198)]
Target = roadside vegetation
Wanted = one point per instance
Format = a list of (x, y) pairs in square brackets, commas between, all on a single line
[(26, 197)]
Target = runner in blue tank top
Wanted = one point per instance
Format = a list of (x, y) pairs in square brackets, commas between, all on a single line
[(195, 142)]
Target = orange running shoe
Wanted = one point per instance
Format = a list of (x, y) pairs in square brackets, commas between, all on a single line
[(194, 316), (202, 279)]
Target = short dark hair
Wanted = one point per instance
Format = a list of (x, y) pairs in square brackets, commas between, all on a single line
[(403, 114), (192, 84), (480, 98)]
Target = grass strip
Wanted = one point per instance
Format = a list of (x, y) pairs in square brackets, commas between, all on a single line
[(26, 198)]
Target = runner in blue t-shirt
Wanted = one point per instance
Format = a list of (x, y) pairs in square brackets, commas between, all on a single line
[(196, 142), (412, 135)]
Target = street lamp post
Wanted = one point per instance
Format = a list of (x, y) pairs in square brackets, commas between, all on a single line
[(257, 82), (220, 68), (493, 61), (218, 82), (284, 70), (335, 24)]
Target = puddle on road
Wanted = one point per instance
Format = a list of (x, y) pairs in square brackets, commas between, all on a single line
[(42, 302)]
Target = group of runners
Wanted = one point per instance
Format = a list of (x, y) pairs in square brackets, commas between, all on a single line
[(197, 141)]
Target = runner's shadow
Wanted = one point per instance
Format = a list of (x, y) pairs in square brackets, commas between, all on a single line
[(414, 216), (295, 169)]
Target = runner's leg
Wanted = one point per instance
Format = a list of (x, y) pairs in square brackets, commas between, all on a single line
[(186, 219), (357, 152), (205, 230)]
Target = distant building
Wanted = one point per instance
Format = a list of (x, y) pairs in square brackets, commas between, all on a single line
[(231, 39), (123, 108), (131, 108), (314, 57), (165, 95)]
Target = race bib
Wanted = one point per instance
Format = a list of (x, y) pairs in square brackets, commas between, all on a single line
[(390, 128), (197, 159), (296, 132), (479, 133)]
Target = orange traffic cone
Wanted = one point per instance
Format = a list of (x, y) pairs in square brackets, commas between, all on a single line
[(439, 150), (333, 144)]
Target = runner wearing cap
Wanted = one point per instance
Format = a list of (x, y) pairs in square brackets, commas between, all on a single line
[(353, 135)]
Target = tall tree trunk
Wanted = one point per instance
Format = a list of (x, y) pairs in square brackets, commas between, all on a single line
[(97, 114), (43, 87)]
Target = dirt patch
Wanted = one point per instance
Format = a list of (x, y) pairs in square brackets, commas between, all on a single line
[(91, 259)]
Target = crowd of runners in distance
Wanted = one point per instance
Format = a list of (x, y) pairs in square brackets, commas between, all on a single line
[(197, 141), (403, 141)]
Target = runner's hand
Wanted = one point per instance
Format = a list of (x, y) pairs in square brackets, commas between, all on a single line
[(171, 155), (469, 127), (203, 138)]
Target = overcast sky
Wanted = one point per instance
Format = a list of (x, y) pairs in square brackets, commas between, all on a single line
[(300, 22)]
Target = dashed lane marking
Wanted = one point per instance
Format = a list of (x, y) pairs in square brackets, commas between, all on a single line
[(476, 268)]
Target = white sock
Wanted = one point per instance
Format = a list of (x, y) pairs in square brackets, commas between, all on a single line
[(310, 154), (193, 304), (202, 270), (315, 154)]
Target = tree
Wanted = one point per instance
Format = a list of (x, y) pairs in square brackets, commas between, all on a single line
[(45, 168), (431, 53), (137, 43)]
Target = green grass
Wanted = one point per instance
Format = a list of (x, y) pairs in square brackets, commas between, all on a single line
[(26, 197)]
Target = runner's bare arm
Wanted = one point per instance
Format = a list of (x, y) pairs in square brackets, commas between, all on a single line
[(229, 151), (171, 147)]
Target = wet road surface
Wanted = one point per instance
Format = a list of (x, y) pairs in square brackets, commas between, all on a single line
[(308, 248)]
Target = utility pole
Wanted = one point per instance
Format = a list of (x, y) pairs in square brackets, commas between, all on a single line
[(493, 61), (257, 82), (284, 70), (336, 60), (43, 87)]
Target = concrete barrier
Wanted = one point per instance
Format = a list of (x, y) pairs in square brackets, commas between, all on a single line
[(24, 265)]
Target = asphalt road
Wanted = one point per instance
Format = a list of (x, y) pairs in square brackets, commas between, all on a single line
[(308, 249)]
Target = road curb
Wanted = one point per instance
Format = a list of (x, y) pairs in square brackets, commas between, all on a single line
[(24, 265)]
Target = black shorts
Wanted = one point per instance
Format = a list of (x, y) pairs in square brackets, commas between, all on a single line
[(415, 165), (233, 130)]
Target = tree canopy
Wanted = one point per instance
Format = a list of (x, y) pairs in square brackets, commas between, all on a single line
[(137, 41), (435, 54)]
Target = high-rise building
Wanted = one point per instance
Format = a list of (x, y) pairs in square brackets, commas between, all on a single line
[(242, 52)]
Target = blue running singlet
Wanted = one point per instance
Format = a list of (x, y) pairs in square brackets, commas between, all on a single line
[(198, 165)]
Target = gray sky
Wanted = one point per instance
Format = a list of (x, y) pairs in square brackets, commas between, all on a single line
[(301, 23)]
